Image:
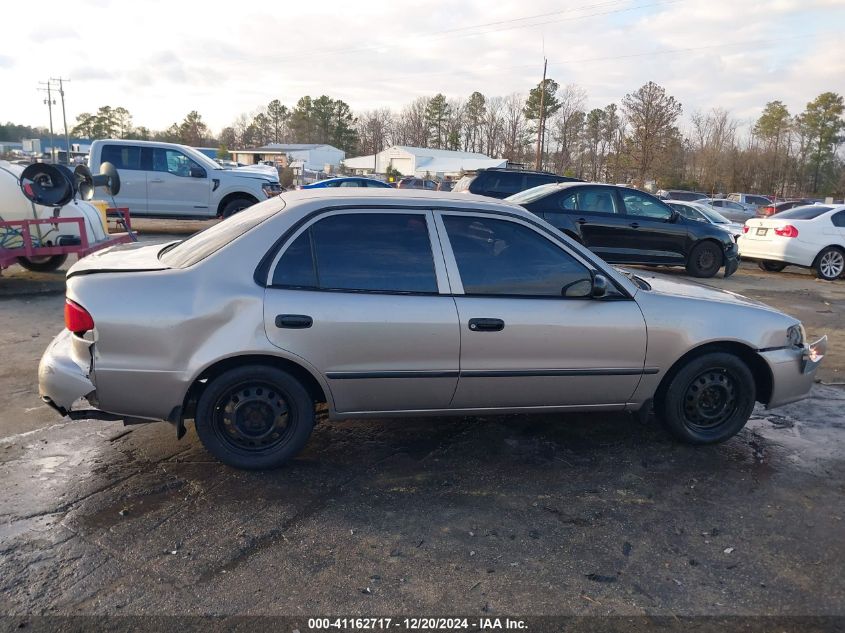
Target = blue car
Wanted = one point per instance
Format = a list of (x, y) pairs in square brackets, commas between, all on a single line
[(347, 182)]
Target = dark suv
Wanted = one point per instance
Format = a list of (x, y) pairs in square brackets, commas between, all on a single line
[(626, 226), (497, 182)]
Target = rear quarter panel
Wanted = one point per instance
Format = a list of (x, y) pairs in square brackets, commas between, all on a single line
[(156, 331)]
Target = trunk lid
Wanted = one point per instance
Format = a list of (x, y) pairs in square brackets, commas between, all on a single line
[(135, 257)]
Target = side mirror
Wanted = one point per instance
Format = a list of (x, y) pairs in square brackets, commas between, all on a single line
[(599, 286), (673, 216), (197, 172)]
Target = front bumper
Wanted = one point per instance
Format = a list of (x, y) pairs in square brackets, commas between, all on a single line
[(793, 371), (731, 263)]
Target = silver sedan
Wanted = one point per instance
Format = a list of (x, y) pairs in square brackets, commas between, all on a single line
[(388, 303)]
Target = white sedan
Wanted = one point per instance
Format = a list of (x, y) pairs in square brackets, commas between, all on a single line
[(811, 236)]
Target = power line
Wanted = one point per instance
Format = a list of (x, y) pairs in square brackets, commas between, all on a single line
[(454, 34)]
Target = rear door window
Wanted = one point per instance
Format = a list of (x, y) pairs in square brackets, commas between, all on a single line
[(595, 200), (122, 156), (364, 252)]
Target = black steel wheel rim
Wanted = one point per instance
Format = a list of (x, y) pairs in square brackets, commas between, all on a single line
[(710, 400), (706, 259), (253, 416)]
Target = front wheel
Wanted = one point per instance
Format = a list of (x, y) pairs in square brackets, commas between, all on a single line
[(254, 417), (771, 267), (234, 206), (705, 260), (45, 264), (830, 263), (708, 400)]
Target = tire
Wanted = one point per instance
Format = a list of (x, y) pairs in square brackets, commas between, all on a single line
[(771, 267), (234, 206), (254, 417), (43, 264), (830, 263), (708, 400), (704, 260)]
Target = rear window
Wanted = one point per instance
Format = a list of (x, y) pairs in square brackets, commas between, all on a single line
[(122, 156), (199, 246), (535, 193), (803, 213), (499, 182)]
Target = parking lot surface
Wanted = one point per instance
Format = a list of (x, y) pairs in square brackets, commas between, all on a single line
[(580, 514)]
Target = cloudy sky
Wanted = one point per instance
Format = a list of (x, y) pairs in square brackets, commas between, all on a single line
[(162, 59)]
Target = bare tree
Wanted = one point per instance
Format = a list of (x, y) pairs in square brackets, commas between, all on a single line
[(652, 114), (374, 130), (515, 128)]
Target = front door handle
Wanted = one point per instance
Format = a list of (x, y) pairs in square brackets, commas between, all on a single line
[(294, 321), (634, 225), (157, 180), (581, 221), (486, 325)]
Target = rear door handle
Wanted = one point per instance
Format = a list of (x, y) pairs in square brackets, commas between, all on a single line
[(634, 225), (581, 221), (157, 180), (294, 321), (486, 325)]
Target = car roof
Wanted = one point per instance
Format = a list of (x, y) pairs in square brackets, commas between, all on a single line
[(380, 197)]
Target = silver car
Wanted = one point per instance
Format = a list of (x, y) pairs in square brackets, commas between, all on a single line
[(387, 303)]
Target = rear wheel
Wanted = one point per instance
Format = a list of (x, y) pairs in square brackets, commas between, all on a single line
[(771, 267), (830, 263), (254, 417), (708, 400), (705, 260), (42, 264)]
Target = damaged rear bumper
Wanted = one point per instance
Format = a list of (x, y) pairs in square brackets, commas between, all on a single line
[(64, 373)]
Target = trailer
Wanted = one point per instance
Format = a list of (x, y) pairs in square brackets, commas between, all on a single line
[(22, 241)]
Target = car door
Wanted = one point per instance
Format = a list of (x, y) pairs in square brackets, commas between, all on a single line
[(597, 214), (133, 177), (363, 297), (655, 236), (177, 185), (529, 336)]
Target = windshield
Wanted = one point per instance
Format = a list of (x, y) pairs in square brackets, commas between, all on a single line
[(802, 213), (535, 193), (200, 245), (201, 158), (714, 216)]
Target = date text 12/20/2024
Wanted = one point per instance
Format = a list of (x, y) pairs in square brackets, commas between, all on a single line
[(417, 624)]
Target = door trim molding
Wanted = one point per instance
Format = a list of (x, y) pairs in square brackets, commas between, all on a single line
[(493, 373)]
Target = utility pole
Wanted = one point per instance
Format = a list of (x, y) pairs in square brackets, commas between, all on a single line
[(64, 116), (50, 103), (538, 160)]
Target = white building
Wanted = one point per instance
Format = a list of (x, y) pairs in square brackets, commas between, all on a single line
[(421, 161), (315, 156)]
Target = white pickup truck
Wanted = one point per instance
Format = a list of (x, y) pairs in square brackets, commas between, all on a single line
[(170, 180)]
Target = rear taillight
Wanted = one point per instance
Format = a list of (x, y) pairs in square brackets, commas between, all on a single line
[(787, 231), (745, 229), (77, 319), (767, 211)]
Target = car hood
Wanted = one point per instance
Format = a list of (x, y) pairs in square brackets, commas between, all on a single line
[(136, 257), (665, 285)]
